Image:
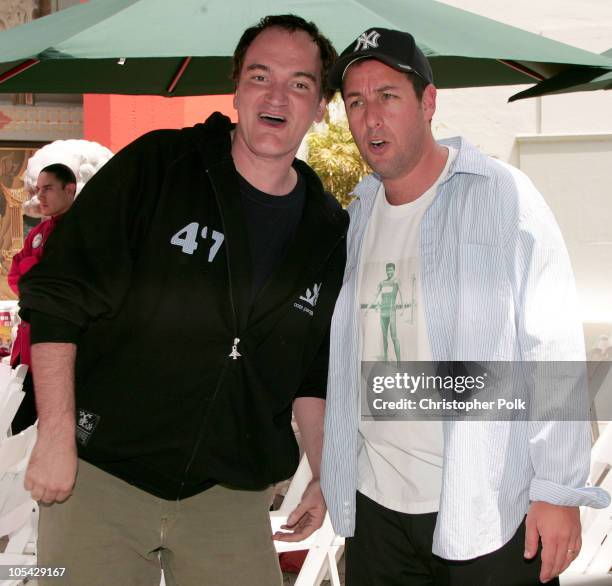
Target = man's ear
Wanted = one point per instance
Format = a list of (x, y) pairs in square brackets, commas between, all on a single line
[(320, 111), (71, 189), (429, 101)]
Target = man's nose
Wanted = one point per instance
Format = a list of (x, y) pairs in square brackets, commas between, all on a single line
[(373, 116), (277, 94)]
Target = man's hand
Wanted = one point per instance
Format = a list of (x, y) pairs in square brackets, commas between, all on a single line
[(307, 517), (559, 529), (52, 469)]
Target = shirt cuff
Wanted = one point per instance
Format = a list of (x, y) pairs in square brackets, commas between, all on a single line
[(47, 328), (557, 494)]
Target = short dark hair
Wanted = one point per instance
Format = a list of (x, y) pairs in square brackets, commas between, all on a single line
[(418, 84), (390, 265), (63, 173), (291, 23)]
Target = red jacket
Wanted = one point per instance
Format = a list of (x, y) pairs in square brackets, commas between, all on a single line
[(23, 261)]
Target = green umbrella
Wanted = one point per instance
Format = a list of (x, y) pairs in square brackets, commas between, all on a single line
[(184, 48), (574, 79)]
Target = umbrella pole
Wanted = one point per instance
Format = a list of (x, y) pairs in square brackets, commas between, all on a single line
[(18, 69), (178, 74), (518, 67)]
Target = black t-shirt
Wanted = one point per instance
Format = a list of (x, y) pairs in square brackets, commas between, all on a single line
[(271, 223)]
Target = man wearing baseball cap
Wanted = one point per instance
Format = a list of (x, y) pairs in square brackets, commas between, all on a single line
[(456, 502)]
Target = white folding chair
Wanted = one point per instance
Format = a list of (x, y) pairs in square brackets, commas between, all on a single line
[(595, 558), (324, 546), (18, 512)]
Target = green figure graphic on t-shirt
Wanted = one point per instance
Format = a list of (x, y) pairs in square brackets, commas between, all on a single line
[(388, 290)]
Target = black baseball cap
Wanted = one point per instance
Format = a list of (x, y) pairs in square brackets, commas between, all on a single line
[(394, 48)]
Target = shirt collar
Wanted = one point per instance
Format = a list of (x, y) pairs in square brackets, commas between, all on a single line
[(468, 160)]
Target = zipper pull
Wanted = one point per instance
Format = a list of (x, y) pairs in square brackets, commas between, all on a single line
[(234, 353)]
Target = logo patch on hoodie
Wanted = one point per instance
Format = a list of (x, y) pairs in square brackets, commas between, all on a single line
[(310, 298), (86, 425)]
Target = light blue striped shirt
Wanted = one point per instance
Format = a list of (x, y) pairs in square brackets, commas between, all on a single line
[(497, 285)]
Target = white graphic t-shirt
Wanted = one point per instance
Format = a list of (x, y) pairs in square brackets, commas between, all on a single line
[(400, 462)]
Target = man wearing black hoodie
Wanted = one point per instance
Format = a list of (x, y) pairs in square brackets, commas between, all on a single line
[(217, 241)]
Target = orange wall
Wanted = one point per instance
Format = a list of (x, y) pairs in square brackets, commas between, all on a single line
[(114, 120)]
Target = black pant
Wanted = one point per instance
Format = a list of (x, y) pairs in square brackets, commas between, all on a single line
[(394, 549)]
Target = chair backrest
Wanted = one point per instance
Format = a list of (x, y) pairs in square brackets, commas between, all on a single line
[(596, 554), (18, 512), (324, 546)]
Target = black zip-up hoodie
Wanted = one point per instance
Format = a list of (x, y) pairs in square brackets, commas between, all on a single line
[(152, 265)]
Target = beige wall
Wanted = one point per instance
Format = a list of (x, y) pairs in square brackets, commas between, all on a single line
[(483, 114), (564, 143), (573, 174)]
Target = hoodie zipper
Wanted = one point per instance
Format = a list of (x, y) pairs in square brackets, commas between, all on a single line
[(234, 354)]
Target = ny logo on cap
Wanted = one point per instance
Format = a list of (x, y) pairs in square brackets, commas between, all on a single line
[(367, 40)]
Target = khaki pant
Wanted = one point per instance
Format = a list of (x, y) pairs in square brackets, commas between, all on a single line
[(109, 533)]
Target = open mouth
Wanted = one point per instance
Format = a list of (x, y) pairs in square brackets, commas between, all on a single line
[(272, 119), (377, 144)]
